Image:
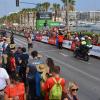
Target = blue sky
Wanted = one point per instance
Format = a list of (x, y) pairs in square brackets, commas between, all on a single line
[(8, 6)]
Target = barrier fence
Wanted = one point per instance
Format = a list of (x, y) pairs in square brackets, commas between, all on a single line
[(68, 44)]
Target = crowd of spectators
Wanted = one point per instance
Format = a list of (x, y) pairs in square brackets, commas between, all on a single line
[(21, 79)]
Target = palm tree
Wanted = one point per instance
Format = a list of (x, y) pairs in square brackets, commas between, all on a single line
[(55, 8), (39, 7), (26, 13), (3, 19), (71, 4), (46, 6)]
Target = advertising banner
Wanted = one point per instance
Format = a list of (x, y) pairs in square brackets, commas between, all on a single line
[(38, 37), (67, 44), (95, 51), (45, 39), (52, 41)]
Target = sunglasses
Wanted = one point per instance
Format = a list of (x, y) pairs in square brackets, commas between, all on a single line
[(74, 89)]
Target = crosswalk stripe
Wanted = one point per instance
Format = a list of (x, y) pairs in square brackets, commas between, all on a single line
[(20, 41)]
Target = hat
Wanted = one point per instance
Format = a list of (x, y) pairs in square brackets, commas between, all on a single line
[(82, 38), (41, 67)]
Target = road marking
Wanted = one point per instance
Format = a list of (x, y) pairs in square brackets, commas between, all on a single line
[(74, 68), (64, 54), (20, 38), (17, 44), (85, 62), (20, 41)]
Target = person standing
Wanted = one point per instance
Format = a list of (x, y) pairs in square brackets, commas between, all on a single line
[(60, 40), (72, 89), (11, 64), (30, 44), (4, 81), (1, 50), (17, 59), (16, 90), (4, 46), (50, 82), (23, 64)]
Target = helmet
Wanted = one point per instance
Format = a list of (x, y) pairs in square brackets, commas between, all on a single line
[(83, 42), (82, 38)]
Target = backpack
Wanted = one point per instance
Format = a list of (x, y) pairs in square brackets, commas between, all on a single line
[(56, 90)]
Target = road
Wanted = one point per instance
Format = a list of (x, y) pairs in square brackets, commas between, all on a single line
[(86, 74)]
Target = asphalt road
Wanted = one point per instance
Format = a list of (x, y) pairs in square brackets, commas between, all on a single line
[(86, 74)]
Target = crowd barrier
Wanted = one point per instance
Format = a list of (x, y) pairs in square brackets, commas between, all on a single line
[(68, 44)]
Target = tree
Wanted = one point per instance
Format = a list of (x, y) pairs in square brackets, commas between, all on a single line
[(25, 13), (46, 6), (39, 7), (71, 4), (55, 8)]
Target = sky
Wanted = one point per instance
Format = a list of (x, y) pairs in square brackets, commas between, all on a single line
[(9, 6)]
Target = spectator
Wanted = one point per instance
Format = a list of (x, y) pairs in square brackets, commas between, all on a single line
[(23, 64), (17, 88), (12, 38), (1, 49), (4, 46), (4, 81), (43, 70), (30, 45), (11, 64), (50, 64), (48, 85), (33, 78), (72, 91), (17, 58), (37, 58), (60, 40)]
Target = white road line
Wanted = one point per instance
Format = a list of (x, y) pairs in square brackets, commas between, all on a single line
[(20, 44), (20, 41), (64, 54), (75, 69), (85, 62)]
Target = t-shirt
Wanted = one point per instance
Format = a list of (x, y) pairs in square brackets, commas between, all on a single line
[(24, 57), (12, 64), (3, 77), (50, 83), (60, 38), (37, 61), (16, 91)]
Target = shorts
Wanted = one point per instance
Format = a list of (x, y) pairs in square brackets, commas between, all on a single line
[(30, 45)]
